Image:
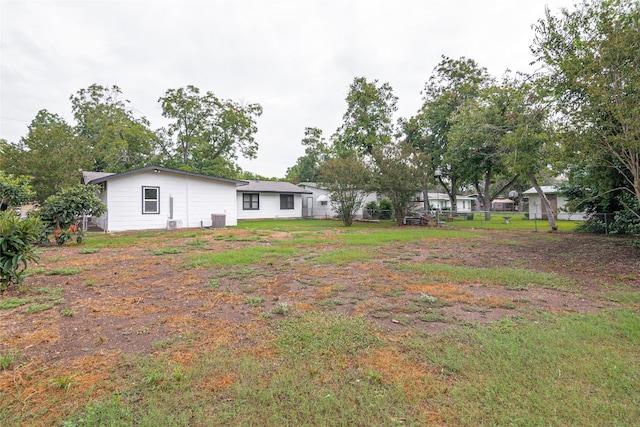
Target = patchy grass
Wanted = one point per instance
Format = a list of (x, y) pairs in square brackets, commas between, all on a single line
[(509, 277), (525, 373), (63, 271), (244, 256), (312, 323), (9, 303), (516, 222), (166, 251)]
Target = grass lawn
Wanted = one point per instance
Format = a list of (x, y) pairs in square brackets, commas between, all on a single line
[(307, 322)]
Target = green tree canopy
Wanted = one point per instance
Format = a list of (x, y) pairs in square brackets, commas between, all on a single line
[(401, 171), (453, 83), (591, 58), (369, 119), (347, 179), (118, 140), (14, 191), (307, 167), (206, 128), (51, 153)]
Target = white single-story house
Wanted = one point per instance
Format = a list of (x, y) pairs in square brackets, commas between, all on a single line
[(556, 200), (317, 204), (269, 200), (441, 201), (155, 197)]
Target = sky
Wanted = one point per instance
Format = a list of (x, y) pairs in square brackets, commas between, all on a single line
[(296, 58)]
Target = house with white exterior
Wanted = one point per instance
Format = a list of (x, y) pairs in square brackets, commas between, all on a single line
[(269, 200), (155, 197), (556, 200), (440, 201), (317, 204)]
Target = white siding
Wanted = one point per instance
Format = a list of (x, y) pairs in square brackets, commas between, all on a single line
[(535, 209), (270, 207), (194, 200)]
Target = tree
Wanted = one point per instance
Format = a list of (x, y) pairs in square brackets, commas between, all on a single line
[(401, 172), (529, 141), (346, 179), (51, 154), (368, 121), (453, 83), (118, 140), (591, 58), (307, 167), (207, 128), (14, 191), (61, 211), (476, 144), (369, 133)]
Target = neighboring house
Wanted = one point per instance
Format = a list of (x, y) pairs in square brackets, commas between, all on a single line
[(556, 200), (317, 204), (269, 200), (441, 201), (157, 198)]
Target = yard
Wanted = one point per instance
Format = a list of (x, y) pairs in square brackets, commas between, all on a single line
[(310, 323)]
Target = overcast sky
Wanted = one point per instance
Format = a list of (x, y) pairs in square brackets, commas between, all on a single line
[(296, 58)]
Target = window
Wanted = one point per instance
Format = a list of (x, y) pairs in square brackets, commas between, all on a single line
[(286, 201), (251, 202), (150, 200)]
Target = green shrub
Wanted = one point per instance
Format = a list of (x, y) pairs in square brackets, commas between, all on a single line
[(386, 209), (60, 212), (17, 240)]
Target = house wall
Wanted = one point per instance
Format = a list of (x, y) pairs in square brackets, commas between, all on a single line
[(320, 210), (270, 207), (535, 209), (194, 200)]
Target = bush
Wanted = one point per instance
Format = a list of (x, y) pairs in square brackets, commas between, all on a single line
[(60, 212), (386, 209), (17, 241)]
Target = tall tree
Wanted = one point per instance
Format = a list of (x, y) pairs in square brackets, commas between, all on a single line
[(207, 128), (476, 143), (529, 143), (307, 167), (51, 154), (118, 140), (593, 67), (453, 82), (369, 119)]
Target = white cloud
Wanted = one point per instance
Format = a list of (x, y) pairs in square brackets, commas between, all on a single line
[(295, 58)]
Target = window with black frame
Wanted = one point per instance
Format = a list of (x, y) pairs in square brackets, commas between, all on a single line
[(250, 201), (286, 201)]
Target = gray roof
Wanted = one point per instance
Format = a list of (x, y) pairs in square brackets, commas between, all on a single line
[(107, 176), (271, 187), (88, 176)]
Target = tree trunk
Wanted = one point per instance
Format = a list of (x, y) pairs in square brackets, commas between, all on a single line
[(487, 197), (545, 202), (451, 192), (425, 200)]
